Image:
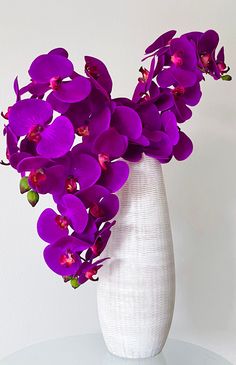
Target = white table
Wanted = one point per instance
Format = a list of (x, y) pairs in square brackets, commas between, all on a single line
[(90, 350)]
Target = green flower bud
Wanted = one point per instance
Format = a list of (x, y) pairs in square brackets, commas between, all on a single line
[(24, 185), (226, 77), (33, 197), (74, 283)]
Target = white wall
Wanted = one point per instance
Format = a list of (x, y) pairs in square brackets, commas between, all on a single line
[(34, 304)]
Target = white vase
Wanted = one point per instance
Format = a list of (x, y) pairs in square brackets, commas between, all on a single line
[(136, 290)]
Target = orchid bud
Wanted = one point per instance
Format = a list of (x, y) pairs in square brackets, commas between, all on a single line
[(74, 283), (226, 77), (24, 185), (33, 197)]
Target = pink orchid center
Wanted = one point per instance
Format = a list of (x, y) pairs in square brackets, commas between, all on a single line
[(62, 221), (144, 73), (177, 59), (67, 259), (71, 185), (178, 91), (221, 67), (96, 211), (37, 177), (55, 83), (90, 273), (95, 247), (92, 71), (205, 59), (34, 134), (103, 160), (83, 131)]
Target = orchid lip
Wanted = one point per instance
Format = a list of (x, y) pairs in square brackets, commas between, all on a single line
[(67, 259), (222, 67), (96, 211), (34, 134), (83, 131), (144, 73), (205, 59), (90, 273), (71, 185), (178, 91), (55, 83), (36, 177), (62, 221), (92, 71), (103, 160), (177, 59)]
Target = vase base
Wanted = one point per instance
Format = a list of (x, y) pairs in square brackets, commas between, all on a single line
[(137, 357), (133, 354)]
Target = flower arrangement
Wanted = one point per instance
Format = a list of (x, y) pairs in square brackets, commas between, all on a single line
[(68, 138)]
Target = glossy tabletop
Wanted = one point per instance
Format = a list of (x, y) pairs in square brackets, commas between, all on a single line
[(91, 350)]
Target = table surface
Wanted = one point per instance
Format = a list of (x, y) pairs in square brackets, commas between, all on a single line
[(90, 350)]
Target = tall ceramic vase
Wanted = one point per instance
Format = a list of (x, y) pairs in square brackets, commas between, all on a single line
[(136, 290)]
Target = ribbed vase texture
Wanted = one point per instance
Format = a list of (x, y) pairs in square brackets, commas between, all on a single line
[(136, 290)]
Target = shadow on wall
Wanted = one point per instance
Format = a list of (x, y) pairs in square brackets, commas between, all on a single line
[(202, 204)]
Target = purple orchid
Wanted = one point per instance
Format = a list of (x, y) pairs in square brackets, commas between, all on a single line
[(184, 97), (52, 226), (70, 139), (30, 118), (99, 75), (44, 176), (63, 257), (182, 62), (87, 271), (100, 241), (101, 204), (48, 71)]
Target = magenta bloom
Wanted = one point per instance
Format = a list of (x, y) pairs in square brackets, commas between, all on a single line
[(183, 64), (49, 71), (183, 98), (100, 241), (52, 226), (87, 270), (44, 176), (97, 71), (30, 118), (63, 257), (207, 44)]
